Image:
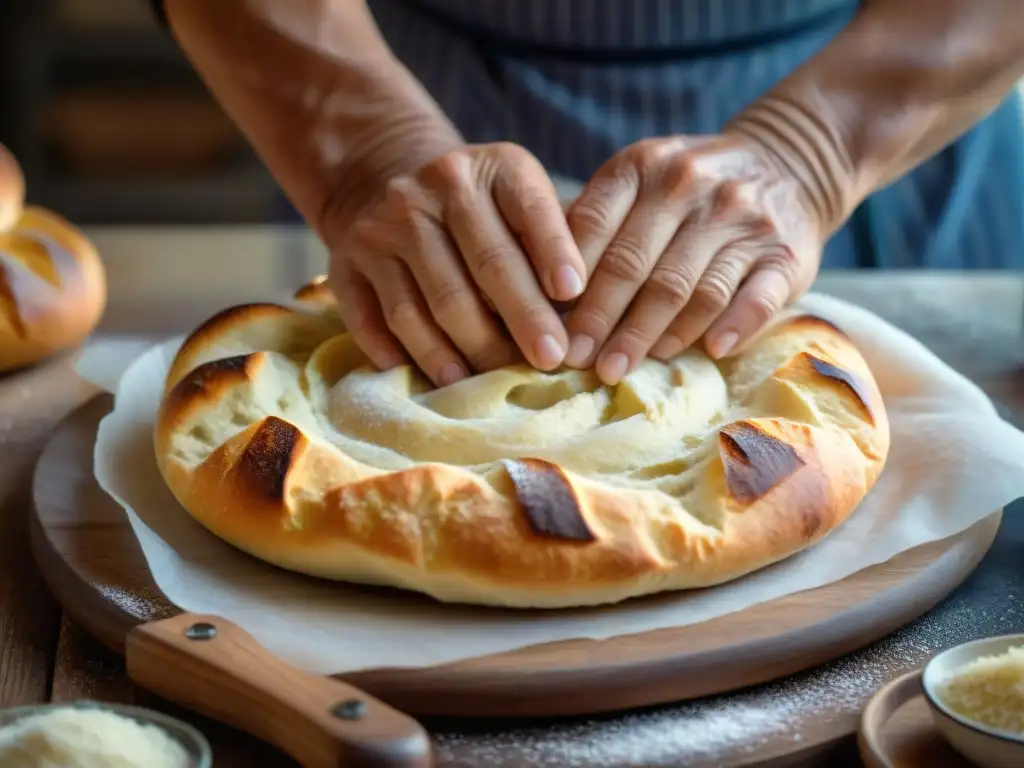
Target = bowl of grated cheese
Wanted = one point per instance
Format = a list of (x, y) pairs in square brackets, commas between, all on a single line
[(976, 694), (91, 734)]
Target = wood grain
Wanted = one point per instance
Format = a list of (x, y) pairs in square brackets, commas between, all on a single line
[(32, 401), (91, 561), (84, 670), (160, 281), (225, 674)]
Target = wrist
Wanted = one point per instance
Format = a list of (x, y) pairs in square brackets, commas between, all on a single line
[(805, 146)]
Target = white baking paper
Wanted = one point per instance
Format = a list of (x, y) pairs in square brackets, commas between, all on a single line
[(953, 462)]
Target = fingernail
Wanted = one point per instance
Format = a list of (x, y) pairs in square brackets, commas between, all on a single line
[(612, 368), (580, 347), (723, 345), (450, 373), (567, 283), (549, 352)]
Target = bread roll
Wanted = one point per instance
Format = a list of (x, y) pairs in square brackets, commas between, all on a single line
[(52, 283), (516, 487), (12, 190)]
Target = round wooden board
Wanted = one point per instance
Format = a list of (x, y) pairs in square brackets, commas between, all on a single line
[(89, 556)]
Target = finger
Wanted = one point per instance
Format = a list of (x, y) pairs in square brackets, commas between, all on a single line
[(758, 299), (528, 201), (601, 209), (711, 297), (503, 273), (361, 312), (620, 274), (454, 300), (661, 298), (408, 318)]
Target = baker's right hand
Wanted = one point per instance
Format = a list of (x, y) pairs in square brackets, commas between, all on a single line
[(422, 266)]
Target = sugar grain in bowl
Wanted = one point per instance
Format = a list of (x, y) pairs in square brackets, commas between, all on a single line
[(94, 735), (976, 693)]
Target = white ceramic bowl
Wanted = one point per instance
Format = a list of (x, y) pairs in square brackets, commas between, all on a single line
[(983, 746)]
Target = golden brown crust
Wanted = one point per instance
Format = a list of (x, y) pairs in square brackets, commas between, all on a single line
[(12, 190), (52, 283), (247, 439)]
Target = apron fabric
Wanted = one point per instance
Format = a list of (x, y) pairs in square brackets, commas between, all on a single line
[(574, 81)]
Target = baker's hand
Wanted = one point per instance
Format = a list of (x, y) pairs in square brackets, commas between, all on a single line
[(687, 237), (421, 269)]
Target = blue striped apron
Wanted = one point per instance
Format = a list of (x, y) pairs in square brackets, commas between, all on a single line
[(574, 81)]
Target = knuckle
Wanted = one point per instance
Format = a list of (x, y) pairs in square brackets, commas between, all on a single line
[(762, 307), (593, 321), (784, 257), (714, 291), (625, 260), (760, 225), (493, 266), (403, 201), (399, 193), (452, 303), (588, 214), (403, 314), (672, 283), (729, 198), (449, 170), (678, 177), (536, 204), (649, 154)]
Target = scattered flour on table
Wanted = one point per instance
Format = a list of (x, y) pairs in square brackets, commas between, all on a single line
[(699, 734), (137, 604)]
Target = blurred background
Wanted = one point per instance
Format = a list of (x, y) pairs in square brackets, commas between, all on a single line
[(115, 131), (112, 126)]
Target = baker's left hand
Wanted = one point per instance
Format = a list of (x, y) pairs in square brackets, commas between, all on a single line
[(687, 237)]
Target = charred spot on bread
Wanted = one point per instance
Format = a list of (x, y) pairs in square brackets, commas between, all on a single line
[(846, 379), (264, 464), (206, 382), (812, 522), (548, 500), (212, 374), (754, 461)]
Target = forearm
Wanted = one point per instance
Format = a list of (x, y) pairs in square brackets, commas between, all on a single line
[(901, 82), (317, 93)]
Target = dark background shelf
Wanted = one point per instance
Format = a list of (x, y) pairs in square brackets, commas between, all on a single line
[(55, 50)]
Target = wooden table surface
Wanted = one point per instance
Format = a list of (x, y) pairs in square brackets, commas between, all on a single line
[(164, 280)]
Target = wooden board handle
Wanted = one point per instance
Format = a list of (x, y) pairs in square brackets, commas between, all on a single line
[(214, 667)]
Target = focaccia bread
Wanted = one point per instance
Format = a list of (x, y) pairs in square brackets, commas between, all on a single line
[(52, 283), (516, 487)]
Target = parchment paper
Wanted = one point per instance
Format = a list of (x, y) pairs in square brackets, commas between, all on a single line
[(953, 462)]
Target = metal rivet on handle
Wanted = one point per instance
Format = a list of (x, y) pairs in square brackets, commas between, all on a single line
[(201, 631), (350, 709)]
